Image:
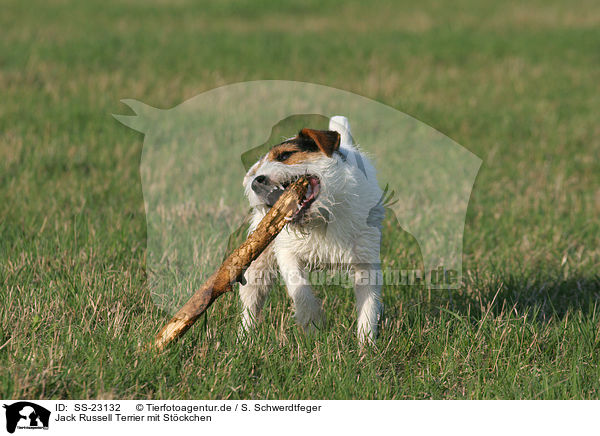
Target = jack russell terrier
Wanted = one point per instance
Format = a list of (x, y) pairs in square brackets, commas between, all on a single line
[(338, 223)]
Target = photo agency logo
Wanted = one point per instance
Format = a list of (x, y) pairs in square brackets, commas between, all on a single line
[(25, 415), (380, 181)]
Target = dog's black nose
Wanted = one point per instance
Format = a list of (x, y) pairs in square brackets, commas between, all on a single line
[(259, 184)]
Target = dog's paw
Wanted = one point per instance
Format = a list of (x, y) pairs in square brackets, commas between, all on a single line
[(316, 324), (310, 316)]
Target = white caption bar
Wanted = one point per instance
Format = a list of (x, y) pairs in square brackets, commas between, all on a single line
[(24, 417)]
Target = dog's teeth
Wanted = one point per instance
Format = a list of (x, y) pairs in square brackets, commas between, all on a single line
[(300, 206), (287, 218)]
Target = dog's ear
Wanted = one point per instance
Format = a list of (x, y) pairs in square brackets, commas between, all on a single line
[(328, 141)]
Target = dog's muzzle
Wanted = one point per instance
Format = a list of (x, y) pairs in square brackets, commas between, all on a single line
[(269, 191), (266, 190)]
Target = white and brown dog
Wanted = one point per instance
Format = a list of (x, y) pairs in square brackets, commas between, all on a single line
[(337, 224)]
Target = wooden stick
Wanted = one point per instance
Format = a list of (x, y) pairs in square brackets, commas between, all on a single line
[(233, 267)]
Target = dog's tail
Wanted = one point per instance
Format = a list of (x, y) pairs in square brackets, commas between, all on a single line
[(340, 124)]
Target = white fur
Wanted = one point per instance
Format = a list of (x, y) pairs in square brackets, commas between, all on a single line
[(333, 231)]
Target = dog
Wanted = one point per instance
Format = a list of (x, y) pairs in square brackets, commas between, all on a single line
[(338, 223)]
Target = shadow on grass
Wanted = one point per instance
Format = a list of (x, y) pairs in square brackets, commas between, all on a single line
[(545, 296), (541, 298)]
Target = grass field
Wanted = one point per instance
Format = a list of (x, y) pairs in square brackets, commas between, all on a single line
[(515, 83)]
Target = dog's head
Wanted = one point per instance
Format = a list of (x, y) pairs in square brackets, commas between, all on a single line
[(311, 153)]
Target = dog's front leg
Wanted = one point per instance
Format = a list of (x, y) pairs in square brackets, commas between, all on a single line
[(307, 307), (367, 285), (258, 281), (367, 290)]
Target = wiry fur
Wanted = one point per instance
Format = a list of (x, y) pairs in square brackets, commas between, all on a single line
[(342, 227)]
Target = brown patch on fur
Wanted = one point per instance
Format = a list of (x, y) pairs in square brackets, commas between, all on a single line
[(291, 153), (307, 145), (300, 157), (328, 141)]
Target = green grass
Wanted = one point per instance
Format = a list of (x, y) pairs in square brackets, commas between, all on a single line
[(515, 83)]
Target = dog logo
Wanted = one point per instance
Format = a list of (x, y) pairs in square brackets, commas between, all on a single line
[(26, 415)]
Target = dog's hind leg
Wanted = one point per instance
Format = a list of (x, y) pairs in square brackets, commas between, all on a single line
[(307, 308), (258, 281)]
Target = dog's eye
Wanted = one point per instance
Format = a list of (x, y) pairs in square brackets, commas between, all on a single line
[(285, 156)]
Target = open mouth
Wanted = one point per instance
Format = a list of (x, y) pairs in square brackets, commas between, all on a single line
[(312, 192)]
